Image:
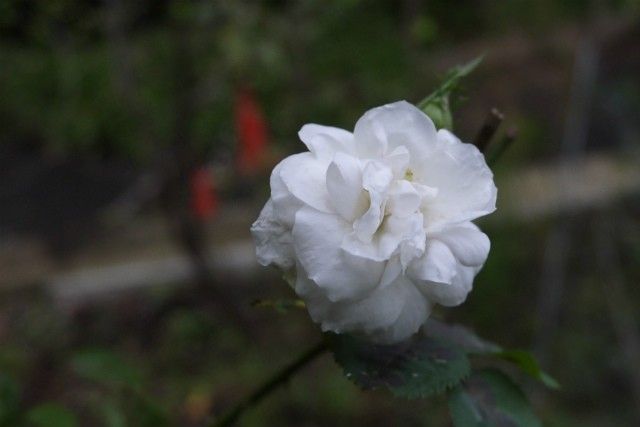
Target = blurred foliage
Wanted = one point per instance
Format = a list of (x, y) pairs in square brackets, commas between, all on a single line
[(99, 77), (9, 399), (106, 368), (51, 415)]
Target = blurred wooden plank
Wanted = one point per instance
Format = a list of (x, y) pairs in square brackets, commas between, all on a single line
[(141, 254), (92, 283), (588, 182)]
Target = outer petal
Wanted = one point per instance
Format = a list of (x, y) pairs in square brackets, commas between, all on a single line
[(446, 137), (317, 240), (325, 141), (452, 259), (469, 245), (304, 177), (377, 310), (464, 182), (450, 294), (388, 314), (274, 243), (414, 314), (385, 128), (438, 264), (285, 204)]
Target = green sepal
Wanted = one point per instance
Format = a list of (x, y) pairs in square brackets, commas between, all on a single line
[(437, 104)]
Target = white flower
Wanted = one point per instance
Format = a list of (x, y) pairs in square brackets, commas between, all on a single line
[(375, 226)]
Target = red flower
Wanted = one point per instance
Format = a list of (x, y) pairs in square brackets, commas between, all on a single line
[(251, 131), (204, 200)]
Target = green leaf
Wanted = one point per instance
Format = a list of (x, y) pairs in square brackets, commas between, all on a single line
[(460, 336), (437, 105), (9, 401), (471, 343), (528, 364), (421, 367), (105, 367), (112, 414), (490, 399), (51, 415)]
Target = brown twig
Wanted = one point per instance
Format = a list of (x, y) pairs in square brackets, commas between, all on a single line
[(488, 129), (509, 137)]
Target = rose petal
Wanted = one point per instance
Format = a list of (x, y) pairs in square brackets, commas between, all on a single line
[(325, 141), (376, 179), (464, 182), (414, 314), (404, 199), (404, 236), (436, 265), (398, 160), (304, 176), (468, 244), (382, 129), (344, 184), (317, 239), (274, 243), (285, 204), (440, 276), (378, 310), (450, 294), (388, 314)]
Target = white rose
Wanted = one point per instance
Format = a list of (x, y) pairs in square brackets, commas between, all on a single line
[(375, 226)]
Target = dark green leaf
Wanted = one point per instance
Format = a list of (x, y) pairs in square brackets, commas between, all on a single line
[(420, 367), (490, 399), (528, 364), (51, 415), (106, 368), (465, 411), (461, 336), (473, 344)]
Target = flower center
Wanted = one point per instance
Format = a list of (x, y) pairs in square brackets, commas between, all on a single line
[(408, 175)]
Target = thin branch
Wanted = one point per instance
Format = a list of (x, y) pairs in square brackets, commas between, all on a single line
[(509, 137), (270, 385), (488, 129)]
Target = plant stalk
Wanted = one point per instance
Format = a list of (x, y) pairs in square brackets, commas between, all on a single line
[(270, 385)]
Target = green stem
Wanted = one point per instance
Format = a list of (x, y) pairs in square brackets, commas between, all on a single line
[(270, 385)]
